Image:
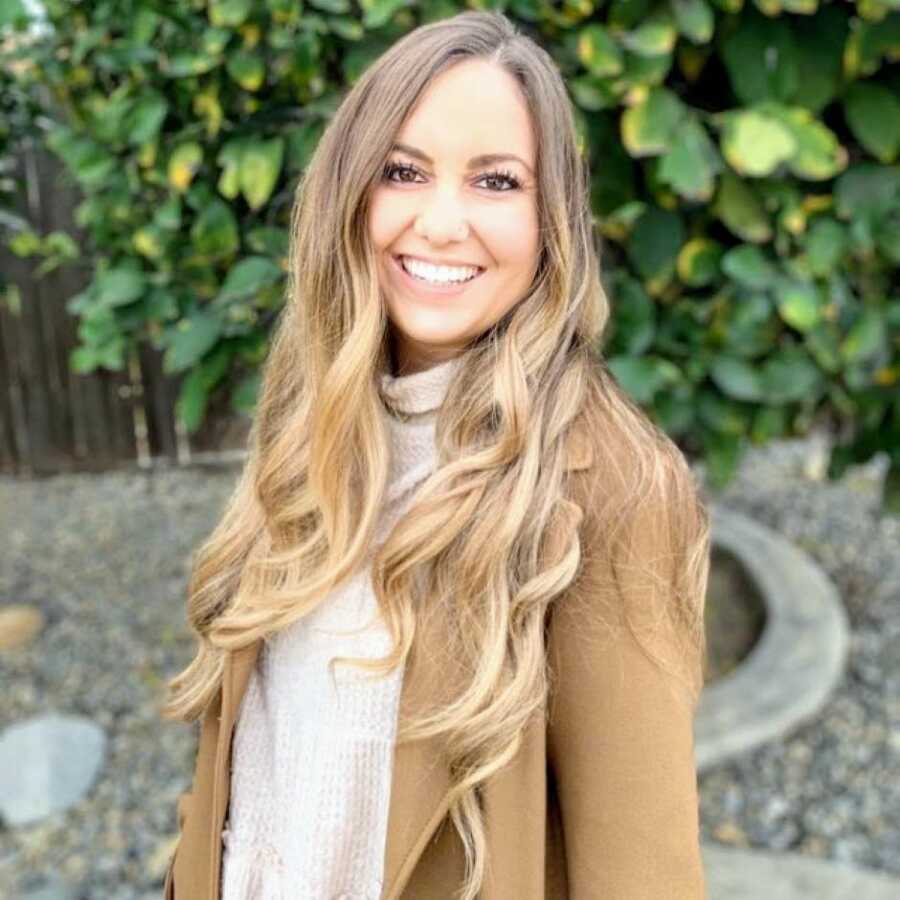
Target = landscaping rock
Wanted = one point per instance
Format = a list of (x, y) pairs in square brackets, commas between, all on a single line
[(47, 764), (20, 624)]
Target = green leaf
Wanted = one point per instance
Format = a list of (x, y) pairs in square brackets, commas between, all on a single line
[(866, 189), (161, 305), (722, 453), (260, 167), (674, 409), (826, 244), (247, 68), (761, 59), (12, 11), (229, 13), (196, 386), (748, 265), (185, 63), (823, 343), (866, 337), (737, 378), (643, 376), (338, 7), (168, 214), (799, 303), (819, 57), (873, 114), (146, 118), (593, 93), (635, 319), (695, 19), (768, 422), (248, 277), (184, 162), (741, 211), (691, 164), (110, 115), (229, 158), (214, 40), (89, 162), (359, 57), (656, 36), (654, 245), (599, 53), (215, 232), (887, 237), (648, 127), (117, 287), (750, 327), (722, 414), (267, 240), (379, 12), (698, 261), (83, 360), (790, 375), (818, 154), (301, 144), (755, 143), (190, 340), (244, 396), (150, 241)]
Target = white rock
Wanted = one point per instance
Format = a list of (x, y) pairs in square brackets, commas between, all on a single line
[(47, 764)]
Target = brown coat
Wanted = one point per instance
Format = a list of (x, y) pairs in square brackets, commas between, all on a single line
[(600, 803)]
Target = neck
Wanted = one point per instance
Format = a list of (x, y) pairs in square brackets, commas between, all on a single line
[(419, 391)]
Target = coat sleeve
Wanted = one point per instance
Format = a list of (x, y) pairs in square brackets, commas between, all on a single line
[(620, 724)]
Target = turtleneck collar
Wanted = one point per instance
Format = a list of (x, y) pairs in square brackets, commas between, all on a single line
[(419, 392)]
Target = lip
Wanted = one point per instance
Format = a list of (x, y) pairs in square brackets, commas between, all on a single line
[(430, 290)]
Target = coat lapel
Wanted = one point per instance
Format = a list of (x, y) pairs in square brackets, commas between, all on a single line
[(420, 781)]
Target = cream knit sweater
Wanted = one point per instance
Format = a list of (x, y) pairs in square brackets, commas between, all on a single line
[(312, 755)]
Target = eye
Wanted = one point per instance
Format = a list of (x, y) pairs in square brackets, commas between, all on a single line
[(503, 175), (392, 168), (403, 169)]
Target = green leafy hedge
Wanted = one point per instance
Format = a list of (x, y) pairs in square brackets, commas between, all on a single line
[(745, 180)]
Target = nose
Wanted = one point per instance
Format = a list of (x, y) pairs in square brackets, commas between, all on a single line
[(442, 218)]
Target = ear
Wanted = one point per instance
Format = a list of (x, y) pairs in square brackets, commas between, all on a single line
[(579, 451)]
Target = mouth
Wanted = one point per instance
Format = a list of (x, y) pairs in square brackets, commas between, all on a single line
[(424, 286)]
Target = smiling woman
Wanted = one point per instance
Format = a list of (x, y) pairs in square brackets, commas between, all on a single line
[(448, 496), (456, 211)]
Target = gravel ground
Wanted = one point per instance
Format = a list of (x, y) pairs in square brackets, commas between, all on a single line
[(831, 788), (106, 560)]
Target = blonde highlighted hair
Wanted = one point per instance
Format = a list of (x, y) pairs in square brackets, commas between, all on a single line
[(303, 514)]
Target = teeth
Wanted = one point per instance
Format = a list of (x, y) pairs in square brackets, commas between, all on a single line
[(437, 274)]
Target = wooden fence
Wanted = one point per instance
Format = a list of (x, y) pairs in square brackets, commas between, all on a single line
[(54, 420)]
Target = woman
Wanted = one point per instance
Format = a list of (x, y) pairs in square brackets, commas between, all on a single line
[(451, 623)]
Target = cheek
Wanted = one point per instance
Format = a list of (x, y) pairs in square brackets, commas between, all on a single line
[(381, 220), (511, 234)]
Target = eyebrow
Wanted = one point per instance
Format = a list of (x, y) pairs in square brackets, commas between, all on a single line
[(484, 159)]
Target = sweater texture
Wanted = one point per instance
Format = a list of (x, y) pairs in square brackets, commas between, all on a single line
[(313, 746)]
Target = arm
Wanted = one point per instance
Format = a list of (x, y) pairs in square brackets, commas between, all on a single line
[(620, 731)]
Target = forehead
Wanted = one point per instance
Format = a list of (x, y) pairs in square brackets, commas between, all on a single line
[(473, 107)]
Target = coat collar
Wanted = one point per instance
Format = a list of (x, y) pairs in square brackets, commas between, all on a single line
[(421, 780)]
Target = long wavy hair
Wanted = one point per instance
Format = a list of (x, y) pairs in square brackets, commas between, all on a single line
[(304, 511)]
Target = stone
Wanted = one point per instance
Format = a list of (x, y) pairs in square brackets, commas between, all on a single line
[(20, 624), (54, 888), (737, 874), (47, 764)]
